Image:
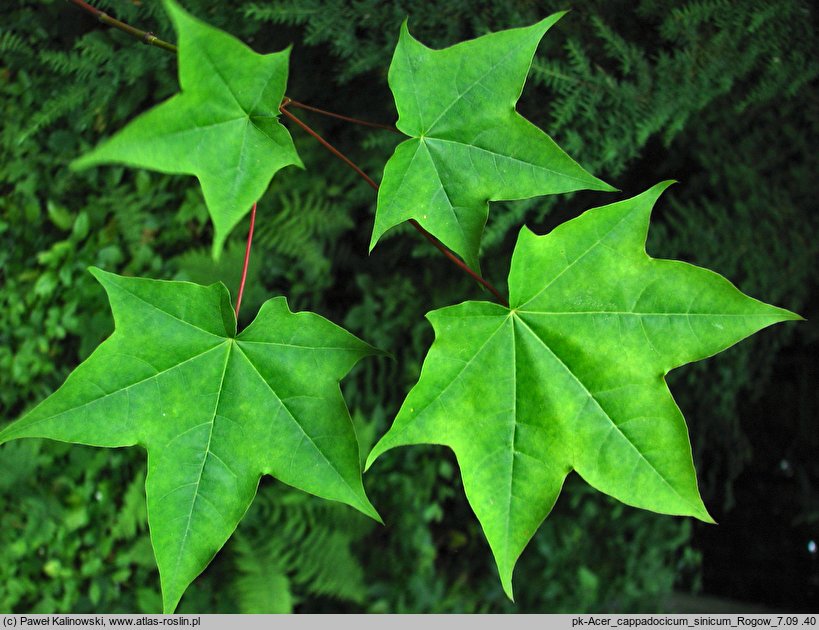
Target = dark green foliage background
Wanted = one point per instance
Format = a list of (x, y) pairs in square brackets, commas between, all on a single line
[(721, 95)]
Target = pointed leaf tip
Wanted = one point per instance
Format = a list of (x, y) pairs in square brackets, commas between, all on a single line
[(172, 8), (605, 187), (665, 184), (103, 277), (790, 316), (374, 454), (368, 509), (507, 588), (652, 194), (550, 20)]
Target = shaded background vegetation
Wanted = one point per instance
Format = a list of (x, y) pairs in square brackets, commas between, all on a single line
[(720, 95)]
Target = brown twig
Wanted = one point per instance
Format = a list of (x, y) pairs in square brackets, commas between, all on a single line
[(144, 36), (328, 146)]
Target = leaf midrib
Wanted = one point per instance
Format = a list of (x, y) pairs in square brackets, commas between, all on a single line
[(198, 481), (204, 51), (443, 189), (293, 345), (510, 158), (171, 315), (293, 418), (592, 397), (514, 438), (461, 95), (576, 260), (122, 389), (417, 414)]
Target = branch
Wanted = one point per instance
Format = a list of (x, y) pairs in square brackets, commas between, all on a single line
[(144, 36)]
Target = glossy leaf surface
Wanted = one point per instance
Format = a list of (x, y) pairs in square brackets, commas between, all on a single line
[(571, 377), (214, 410), (467, 145), (222, 127)]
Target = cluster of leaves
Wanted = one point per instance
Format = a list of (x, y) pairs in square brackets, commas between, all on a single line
[(56, 224), (370, 386)]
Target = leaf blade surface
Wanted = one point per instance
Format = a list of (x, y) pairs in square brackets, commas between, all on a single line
[(222, 127), (214, 410), (571, 376), (467, 145)]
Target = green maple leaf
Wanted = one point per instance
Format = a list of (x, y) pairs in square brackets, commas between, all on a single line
[(571, 377), (468, 145), (214, 410), (222, 127)]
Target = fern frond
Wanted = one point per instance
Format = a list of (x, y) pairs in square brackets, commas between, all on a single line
[(11, 42), (310, 554), (133, 515), (261, 586), (55, 108)]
